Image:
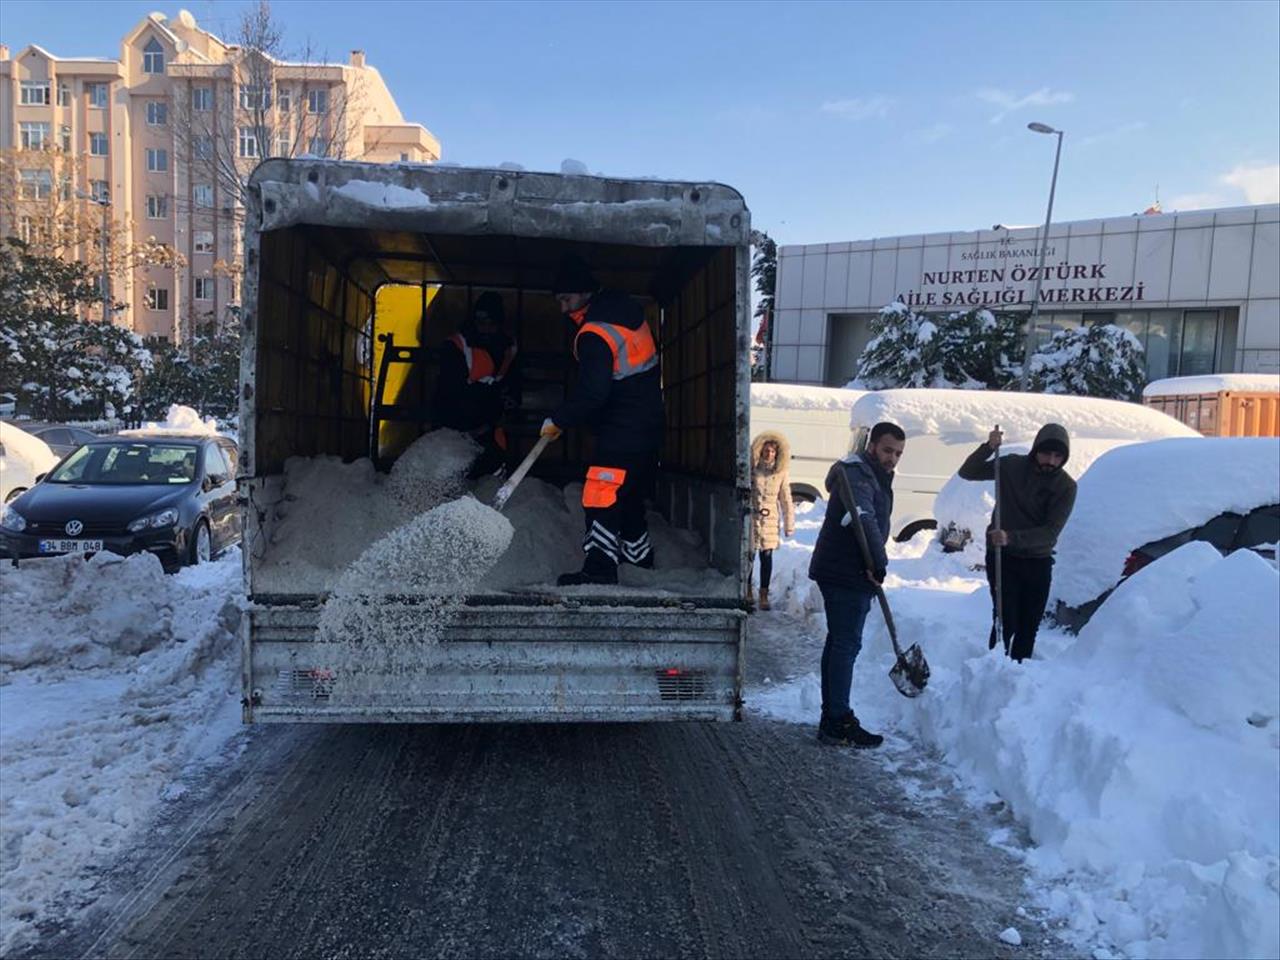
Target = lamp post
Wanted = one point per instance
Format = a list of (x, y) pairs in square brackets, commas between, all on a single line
[(105, 204), (1044, 245)]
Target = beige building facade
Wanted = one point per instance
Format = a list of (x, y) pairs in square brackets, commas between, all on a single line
[(168, 134)]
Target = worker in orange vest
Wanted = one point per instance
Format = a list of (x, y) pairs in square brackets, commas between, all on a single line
[(477, 382), (618, 397)]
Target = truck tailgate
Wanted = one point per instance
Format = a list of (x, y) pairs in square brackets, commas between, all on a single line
[(503, 664)]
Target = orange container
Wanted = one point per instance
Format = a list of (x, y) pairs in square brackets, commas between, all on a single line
[(1227, 413)]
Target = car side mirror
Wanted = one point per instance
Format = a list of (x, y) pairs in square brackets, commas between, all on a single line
[(40, 476), (209, 483)]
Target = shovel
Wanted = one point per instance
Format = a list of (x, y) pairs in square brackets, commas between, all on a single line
[(910, 673), (997, 629), (507, 489)]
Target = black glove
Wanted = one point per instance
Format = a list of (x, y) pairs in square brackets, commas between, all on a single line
[(879, 573)]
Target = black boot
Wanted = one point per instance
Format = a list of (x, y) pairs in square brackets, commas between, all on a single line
[(847, 732)]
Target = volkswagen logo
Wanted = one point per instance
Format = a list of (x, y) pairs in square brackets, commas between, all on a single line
[(74, 528)]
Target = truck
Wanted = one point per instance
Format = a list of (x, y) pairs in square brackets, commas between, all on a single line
[(355, 274), (1220, 404)]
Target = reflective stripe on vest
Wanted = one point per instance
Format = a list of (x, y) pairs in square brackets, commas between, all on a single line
[(633, 350), (479, 363)]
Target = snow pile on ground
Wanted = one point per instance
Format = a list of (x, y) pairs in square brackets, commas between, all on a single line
[(968, 503), (386, 196), (1213, 383), (1157, 489), (961, 416), (404, 589), (180, 421), (115, 681), (574, 167), (791, 396), (1143, 757)]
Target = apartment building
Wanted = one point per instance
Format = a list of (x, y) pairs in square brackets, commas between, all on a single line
[(166, 135)]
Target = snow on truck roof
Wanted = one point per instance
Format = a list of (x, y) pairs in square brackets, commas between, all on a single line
[(1144, 492), (1213, 383), (963, 415), (796, 396)]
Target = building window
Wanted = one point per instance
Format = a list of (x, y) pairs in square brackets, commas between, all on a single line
[(34, 93), (65, 133), (202, 147), (284, 99), (98, 144), (36, 185), (404, 157), (157, 298), (64, 95), (204, 288), (284, 146), (26, 229), (64, 188), (202, 193), (157, 207), (34, 136), (202, 98), (157, 113), (317, 101), (97, 95), (153, 57), (318, 147), (204, 241), (157, 159), (248, 142), (255, 96), (99, 190)]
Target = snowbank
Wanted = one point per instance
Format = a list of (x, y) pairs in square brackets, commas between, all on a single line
[(386, 196), (180, 421), (114, 681), (961, 416), (968, 504), (1212, 383), (790, 396), (1143, 757), (1144, 492)]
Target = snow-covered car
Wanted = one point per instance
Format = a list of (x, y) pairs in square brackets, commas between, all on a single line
[(173, 496), (944, 426), (22, 459), (815, 421), (1140, 501)]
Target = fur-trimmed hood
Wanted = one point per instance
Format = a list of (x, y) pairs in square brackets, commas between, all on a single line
[(783, 463)]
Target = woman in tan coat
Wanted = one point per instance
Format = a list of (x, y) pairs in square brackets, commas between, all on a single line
[(770, 500)]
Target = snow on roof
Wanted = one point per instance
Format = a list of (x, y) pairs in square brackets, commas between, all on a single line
[(1212, 383), (1145, 492), (968, 415), (181, 421), (795, 396), (23, 446), (386, 195)]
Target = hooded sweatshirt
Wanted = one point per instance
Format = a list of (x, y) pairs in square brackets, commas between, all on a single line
[(1034, 506)]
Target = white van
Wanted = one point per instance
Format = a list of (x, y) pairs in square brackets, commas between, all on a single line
[(944, 426), (815, 421)]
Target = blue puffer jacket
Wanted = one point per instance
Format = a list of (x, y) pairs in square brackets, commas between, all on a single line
[(837, 558)]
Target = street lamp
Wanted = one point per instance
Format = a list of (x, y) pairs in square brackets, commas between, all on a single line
[(1044, 245), (105, 204)]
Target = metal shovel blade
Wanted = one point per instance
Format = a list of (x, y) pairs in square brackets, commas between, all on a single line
[(911, 673)]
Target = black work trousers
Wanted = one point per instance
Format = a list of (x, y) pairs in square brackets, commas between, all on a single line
[(1025, 588), (615, 513)]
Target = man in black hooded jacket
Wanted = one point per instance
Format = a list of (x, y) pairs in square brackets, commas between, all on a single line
[(1036, 498), (618, 397)]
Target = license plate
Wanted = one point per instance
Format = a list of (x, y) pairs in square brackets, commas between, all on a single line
[(70, 546)]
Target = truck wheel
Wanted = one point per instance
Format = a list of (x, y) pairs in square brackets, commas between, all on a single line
[(911, 529)]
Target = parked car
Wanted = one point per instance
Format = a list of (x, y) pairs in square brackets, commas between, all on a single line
[(8, 404), (1142, 501), (22, 458), (944, 426), (174, 496), (815, 421), (62, 440)]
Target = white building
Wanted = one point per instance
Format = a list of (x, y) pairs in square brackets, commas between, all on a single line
[(1201, 290)]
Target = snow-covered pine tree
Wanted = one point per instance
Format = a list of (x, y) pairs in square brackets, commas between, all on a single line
[(970, 350), (1101, 360)]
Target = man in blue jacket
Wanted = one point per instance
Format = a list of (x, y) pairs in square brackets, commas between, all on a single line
[(841, 572)]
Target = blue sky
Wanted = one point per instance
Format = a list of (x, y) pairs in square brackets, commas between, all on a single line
[(836, 121)]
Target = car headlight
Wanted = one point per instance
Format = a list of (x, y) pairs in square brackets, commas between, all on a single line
[(12, 520), (165, 518)]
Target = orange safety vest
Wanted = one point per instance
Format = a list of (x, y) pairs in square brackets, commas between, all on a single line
[(633, 350), (479, 363)]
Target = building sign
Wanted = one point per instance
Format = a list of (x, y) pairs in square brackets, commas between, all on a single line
[(1007, 284)]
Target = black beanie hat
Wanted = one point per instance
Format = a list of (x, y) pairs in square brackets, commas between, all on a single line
[(574, 276), (1052, 446), (491, 303)]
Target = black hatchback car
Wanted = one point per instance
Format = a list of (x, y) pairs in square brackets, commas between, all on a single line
[(174, 496)]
